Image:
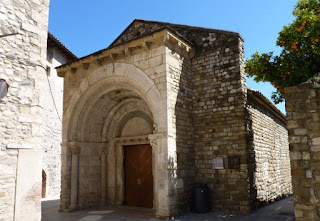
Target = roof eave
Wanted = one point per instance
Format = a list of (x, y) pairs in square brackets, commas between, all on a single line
[(165, 35), (257, 96), (61, 46)]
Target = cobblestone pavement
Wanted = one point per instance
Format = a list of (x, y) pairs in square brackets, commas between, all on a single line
[(279, 211)]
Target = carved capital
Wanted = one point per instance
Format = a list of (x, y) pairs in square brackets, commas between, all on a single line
[(75, 150), (153, 138), (153, 143), (105, 150)]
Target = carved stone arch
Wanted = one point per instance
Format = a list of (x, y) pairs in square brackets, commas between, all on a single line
[(88, 99), (129, 116), (110, 77), (86, 122), (119, 111), (104, 109)]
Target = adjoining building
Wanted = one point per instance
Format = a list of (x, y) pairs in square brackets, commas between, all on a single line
[(57, 54), (166, 106)]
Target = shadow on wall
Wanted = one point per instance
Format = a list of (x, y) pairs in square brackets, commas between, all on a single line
[(251, 163), (182, 165)]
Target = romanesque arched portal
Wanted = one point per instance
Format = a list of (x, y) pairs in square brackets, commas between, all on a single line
[(115, 106)]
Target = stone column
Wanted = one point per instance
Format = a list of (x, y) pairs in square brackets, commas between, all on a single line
[(111, 173), (118, 150), (75, 152), (103, 178), (65, 178)]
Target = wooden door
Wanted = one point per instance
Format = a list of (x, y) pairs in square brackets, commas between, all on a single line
[(138, 176)]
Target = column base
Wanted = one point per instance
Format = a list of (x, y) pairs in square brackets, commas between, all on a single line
[(73, 208), (103, 203)]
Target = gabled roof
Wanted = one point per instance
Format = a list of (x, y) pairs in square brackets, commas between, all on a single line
[(179, 28), (114, 43), (187, 33), (55, 42)]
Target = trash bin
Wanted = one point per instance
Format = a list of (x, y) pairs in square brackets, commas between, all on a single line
[(201, 198)]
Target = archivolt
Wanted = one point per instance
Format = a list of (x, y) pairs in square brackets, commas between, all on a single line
[(119, 112), (103, 80)]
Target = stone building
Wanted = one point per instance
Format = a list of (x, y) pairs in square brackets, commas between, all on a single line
[(23, 49), (163, 107), (57, 54)]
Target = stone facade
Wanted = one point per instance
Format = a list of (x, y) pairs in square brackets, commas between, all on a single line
[(219, 95), (186, 85), (23, 40), (302, 105)]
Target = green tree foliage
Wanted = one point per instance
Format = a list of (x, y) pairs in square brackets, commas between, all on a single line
[(299, 59)]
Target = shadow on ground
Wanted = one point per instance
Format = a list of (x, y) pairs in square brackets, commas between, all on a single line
[(279, 211)]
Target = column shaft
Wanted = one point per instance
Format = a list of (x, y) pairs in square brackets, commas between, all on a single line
[(103, 181), (74, 177)]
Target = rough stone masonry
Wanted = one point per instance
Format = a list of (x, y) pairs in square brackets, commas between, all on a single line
[(187, 85), (22, 65), (302, 105)]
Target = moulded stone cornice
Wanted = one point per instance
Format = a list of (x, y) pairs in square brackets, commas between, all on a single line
[(164, 36), (173, 40), (83, 143)]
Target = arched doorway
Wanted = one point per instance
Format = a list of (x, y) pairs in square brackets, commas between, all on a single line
[(100, 123), (117, 119)]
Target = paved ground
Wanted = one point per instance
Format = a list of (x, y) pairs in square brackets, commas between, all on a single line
[(279, 211)]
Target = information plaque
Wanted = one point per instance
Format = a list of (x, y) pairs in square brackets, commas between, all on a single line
[(217, 163)]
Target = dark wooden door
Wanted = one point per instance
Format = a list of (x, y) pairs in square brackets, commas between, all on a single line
[(138, 176)]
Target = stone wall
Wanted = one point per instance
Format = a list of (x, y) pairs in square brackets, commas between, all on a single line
[(21, 56), (303, 117), (179, 81), (219, 120), (270, 151)]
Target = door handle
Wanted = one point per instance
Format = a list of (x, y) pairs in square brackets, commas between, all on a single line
[(139, 181)]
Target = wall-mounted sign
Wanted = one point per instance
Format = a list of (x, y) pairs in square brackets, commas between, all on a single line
[(19, 146), (3, 88), (217, 163), (234, 162)]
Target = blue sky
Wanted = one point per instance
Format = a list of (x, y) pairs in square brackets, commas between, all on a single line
[(87, 26)]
